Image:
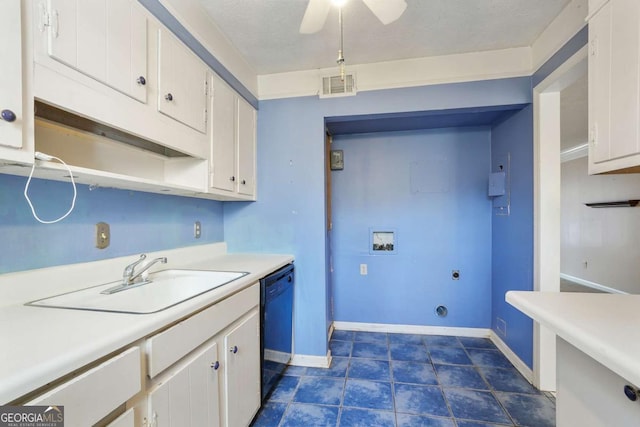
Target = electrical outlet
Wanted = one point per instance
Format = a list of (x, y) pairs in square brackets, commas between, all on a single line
[(363, 269), (197, 229), (103, 235), (501, 327)]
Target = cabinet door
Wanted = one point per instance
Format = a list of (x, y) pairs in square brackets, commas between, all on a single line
[(246, 148), (222, 162), (599, 86), (105, 39), (242, 371), (11, 81), (625, 86), (189, 396), (182, 83)]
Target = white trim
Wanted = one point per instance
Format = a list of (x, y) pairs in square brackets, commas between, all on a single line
[(277, 356), (474, 66), (592, 285), (412, 329), (560, 31), (573, 153), (311, 361), (522, 367), (546, 274)]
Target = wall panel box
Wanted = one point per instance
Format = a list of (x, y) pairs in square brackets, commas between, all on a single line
[(497, 184)]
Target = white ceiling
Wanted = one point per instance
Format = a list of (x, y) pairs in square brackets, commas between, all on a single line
[(266, 31)]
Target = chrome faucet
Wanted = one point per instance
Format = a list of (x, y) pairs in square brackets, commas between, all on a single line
[(133, 279), (130, 275), (127, 275)]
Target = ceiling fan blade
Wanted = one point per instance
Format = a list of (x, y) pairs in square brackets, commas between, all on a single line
[(314, 16), (386, 11)]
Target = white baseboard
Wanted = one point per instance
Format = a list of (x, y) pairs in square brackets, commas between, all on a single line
[(593, 285), (276, 356), (522, 367), (412, 329), (311, 361)]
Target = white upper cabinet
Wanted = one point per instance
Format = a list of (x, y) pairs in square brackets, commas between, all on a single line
[(614, 87), (223, 153), (246, 148), (11, 81), (182, 83), (104, 39), (233, 142), (12, 104)]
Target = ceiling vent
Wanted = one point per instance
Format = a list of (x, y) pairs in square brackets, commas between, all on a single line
[(336, 86)]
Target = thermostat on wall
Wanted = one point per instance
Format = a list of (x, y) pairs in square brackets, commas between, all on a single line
[(337, 160)]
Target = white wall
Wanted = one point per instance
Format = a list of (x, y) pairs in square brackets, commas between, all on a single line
[(600, 245)]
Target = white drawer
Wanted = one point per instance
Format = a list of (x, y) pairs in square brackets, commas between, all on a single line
[(92, 395), (166, 348)]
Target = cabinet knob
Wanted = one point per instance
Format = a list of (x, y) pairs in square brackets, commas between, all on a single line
[(168, 97), (234, 349), (141, 81), (8, 116), (631, 392), (232, 179), (215, 365), (244, 182)]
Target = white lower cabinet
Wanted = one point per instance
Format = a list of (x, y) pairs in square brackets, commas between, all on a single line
[(189, 396), (94, 394), (589, 394), (205, 370), (242, 371), (125, 420)]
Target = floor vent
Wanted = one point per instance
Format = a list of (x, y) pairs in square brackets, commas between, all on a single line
[(336, 86)]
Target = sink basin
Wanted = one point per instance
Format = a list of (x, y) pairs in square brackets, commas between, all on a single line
[(166, 288)]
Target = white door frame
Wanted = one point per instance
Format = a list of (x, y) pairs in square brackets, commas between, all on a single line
[(546, 187)]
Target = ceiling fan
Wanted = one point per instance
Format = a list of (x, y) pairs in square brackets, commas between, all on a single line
[(317, 11)]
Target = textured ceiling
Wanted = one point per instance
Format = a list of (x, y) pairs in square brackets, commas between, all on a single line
[(266, 31)]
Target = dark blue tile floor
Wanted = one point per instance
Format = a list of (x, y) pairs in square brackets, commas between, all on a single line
[(398, 380)]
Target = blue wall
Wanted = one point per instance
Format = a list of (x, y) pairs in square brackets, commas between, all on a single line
[(431, 188), (512, 237), (289, 215), (140, 222)]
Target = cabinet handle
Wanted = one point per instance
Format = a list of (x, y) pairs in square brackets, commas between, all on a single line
[(232, 179), (141, 81), (168, 97), (8, 116), (234, 349), (631, 392), (215, 365)]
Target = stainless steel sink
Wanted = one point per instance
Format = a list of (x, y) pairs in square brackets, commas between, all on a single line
[(165, 289)]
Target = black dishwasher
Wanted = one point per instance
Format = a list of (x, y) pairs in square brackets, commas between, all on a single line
[(276, 326)]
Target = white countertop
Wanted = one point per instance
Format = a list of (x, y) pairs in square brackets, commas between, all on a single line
[(604, 326), (40, 345)]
